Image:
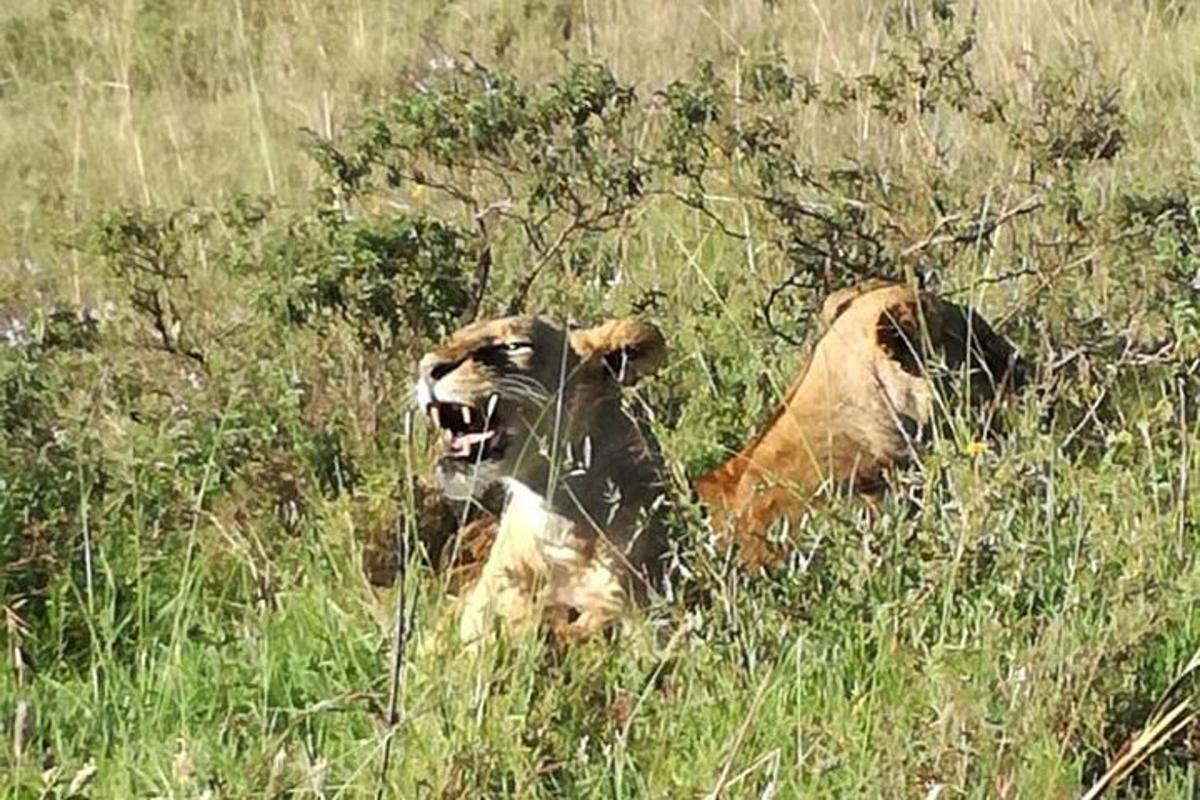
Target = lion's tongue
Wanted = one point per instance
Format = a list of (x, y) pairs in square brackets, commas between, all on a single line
[(461, 444)]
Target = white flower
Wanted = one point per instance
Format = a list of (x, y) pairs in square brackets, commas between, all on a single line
[(15, 333)]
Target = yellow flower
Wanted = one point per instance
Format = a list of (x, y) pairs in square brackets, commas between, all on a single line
[(975, 448)]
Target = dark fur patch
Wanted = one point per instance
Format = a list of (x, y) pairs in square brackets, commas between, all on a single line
[(619, 363), (901, 341)]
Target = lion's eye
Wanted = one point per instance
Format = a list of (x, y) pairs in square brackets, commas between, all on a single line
[(501, 353)]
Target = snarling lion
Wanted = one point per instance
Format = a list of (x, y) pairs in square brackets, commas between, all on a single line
[(855, 410), (526, 403)]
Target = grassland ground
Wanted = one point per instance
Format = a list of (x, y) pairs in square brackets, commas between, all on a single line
[(227, 230)]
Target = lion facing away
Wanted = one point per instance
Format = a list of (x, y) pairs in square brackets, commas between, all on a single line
[(526, 403), (855, 409)]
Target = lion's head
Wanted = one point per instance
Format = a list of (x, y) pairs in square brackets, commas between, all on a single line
[(512, 395), (870, 386)]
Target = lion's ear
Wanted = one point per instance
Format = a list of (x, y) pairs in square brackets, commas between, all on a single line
[(628, 349), (840, 300)]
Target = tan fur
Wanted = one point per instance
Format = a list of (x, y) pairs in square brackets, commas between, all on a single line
[(574, 544), (852, 413)]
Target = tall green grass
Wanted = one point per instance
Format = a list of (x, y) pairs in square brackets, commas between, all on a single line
[(186, 607)]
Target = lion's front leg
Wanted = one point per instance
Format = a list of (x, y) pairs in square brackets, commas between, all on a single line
[(508, 587), (586, 598), (476, 614)]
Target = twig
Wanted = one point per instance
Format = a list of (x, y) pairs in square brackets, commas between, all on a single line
[(1161, 727), (517, 304), (793, 282), (622, 742), (1089, 416), (739, 737), (403, 627), (982, 232)]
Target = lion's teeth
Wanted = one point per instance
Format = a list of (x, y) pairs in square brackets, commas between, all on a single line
[(466, 415), (435, 415)]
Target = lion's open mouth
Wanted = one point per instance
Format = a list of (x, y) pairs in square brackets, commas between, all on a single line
[(472, 434)]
